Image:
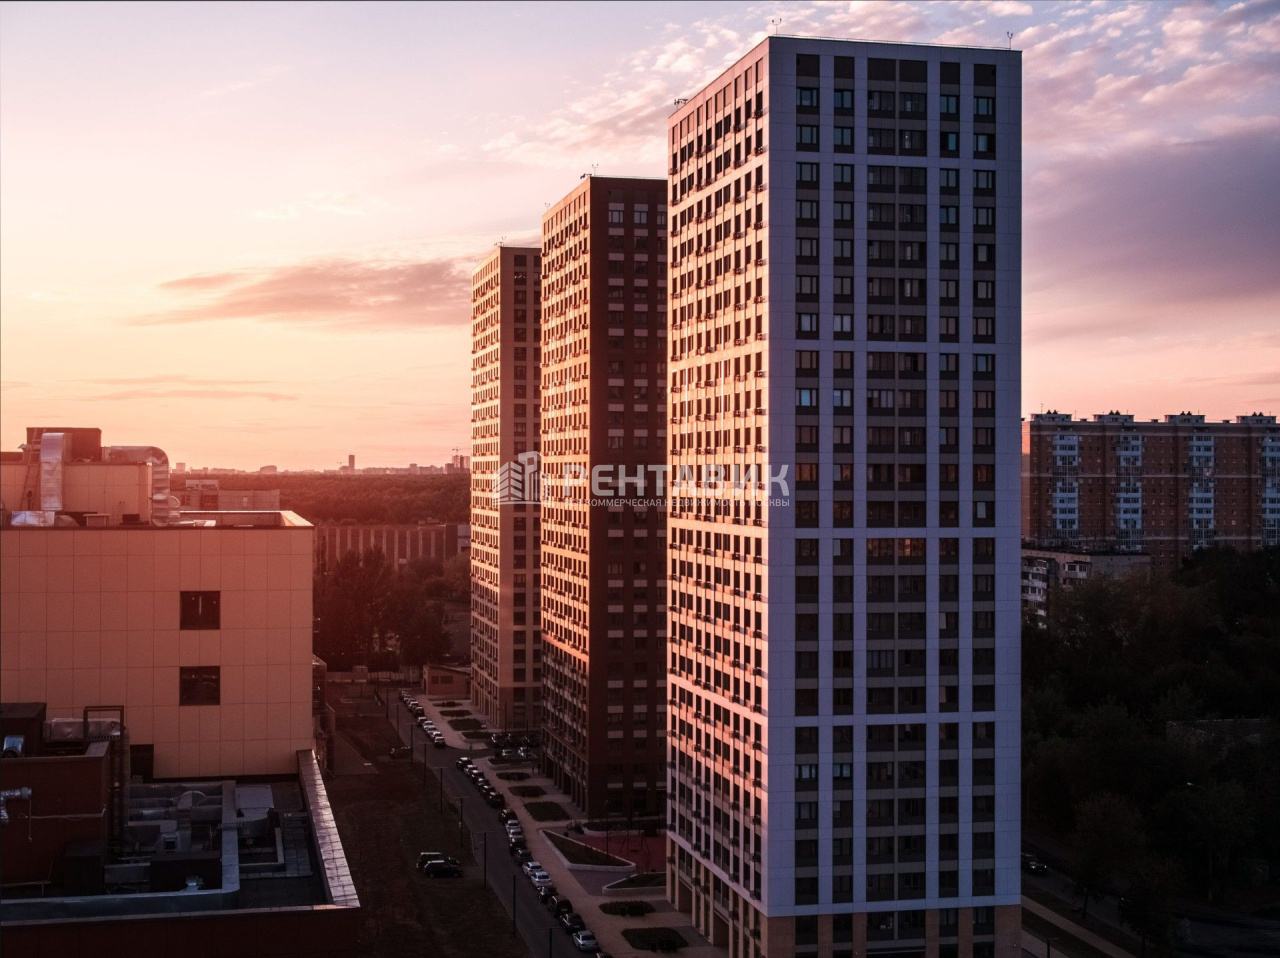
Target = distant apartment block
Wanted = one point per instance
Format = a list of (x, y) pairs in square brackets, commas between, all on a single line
[(1166, 488), (845, 241), (207, 494), (1046, 572), (604, 404), (506, 644), (196, 624), (401, 544)]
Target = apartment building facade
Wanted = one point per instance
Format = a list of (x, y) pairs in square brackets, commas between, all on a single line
[(506, 647), (844, 711), (604, 292), (1165, 488)]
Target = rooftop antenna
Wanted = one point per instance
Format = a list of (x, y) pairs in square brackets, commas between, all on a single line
[(775, 22), (1009, 34)]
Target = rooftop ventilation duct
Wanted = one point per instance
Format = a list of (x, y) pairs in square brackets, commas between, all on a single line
[(53, 453), (161, 511)]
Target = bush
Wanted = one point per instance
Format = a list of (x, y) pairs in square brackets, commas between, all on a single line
[(513, 776), (545, 811), (631, 909), (654, 939), (575, 852), (475, 736), (528, 791), (465, 724), (455, 713)]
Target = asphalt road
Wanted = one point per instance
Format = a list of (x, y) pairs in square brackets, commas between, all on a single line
[(1198, 938), (544, 936)]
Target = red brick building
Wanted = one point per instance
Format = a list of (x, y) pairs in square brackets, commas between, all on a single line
[(1162, 487)]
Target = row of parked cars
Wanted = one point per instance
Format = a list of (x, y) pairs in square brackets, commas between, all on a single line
[(434, 735), (493, 798)]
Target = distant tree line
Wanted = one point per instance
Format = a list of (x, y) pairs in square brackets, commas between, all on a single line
[(367, 613), (395, 499), (1146, 811)]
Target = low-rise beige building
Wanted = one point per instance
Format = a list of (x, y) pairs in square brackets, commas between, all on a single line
[(198, 623)]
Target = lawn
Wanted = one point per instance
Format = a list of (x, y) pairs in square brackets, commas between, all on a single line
[(455, 713), (654, 939), (642, 880), (546, 811), (465, 724), (578, 853), (528, 791), (514, 776), (632, 909)]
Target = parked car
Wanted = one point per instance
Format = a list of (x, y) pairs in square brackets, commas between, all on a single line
[(546, 893), (585, 940), (506, 815), (523, 855), (572, 921), (559, 904), (426, 858), (1033, 865), (494, 800), (531, 867), (439, 742), (445, 869), (540, 879)]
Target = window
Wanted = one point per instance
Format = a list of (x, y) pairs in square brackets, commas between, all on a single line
[(948, 104), (807, 137), (878, 101), (949, 143), (807, 286), (842, 324), (201, 685), (949, 180), (984, 180), (984, 254), (844, 138), (984, 107), (615, 217), (807, 96), (200, 610), (843, 174), (881, 178), (806, 210), (807, 174), (807, 249), (843, 100), (984, 216), (807, 323), (880, 141), (947, 215), (984, 144), (949, 254)]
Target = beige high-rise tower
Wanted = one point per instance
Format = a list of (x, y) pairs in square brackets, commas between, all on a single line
[(506, 648)]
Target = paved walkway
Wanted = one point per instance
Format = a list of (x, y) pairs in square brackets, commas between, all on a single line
[(1070, 928)]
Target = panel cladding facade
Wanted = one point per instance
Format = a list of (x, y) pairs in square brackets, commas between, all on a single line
[(846, 303), (604, 289), (1164, 488), (506, 648)]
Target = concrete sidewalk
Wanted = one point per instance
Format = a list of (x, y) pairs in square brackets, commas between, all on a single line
[(584, 886), (1070, 928)]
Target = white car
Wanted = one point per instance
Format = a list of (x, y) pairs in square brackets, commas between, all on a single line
[(531, 866), (585, 940), (539, 878)]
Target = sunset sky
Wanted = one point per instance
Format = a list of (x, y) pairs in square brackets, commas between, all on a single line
[(244, 232)]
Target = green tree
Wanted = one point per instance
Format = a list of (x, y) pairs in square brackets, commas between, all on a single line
[(1108, 842)]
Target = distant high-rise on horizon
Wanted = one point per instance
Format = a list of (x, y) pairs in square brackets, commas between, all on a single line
[(604, 404), (845, 698), (506, 648)]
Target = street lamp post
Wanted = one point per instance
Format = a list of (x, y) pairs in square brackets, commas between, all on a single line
[(1048, 945), (513, 904)]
